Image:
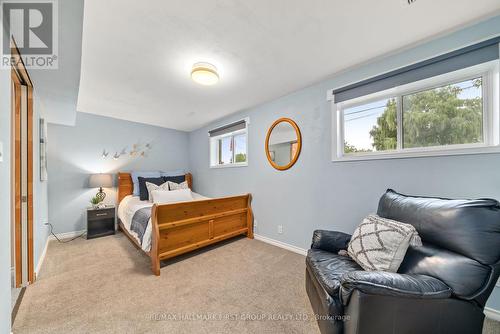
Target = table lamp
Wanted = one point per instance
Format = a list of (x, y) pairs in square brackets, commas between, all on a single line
[(100, 181)]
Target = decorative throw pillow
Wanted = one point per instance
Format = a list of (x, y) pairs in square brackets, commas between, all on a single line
[(151, 186), (175, 178), (173, 173), (171, 196), (143, 191), (381, 244), (135, 178), (176, 186)]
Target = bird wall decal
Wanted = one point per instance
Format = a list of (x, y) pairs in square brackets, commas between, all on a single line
[(136, 151)]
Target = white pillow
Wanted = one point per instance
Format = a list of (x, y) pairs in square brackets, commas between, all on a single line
[(380, 244), (172, 196), (175, 186), (151, 186)]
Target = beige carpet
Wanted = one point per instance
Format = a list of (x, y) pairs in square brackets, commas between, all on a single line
[(105, 286)]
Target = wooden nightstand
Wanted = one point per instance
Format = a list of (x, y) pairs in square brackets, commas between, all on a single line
[(100, 222)]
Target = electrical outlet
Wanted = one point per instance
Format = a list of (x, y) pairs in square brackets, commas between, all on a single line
[(280, 229), (1, 151), (255, 223)]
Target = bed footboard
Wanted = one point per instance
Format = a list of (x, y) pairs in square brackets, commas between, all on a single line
[(182, 227)]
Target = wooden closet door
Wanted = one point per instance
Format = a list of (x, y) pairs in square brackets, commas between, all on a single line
[(22, 134), (16, 133)]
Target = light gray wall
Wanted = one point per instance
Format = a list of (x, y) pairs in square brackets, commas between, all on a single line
[(40, 209), (74, 152), (317, 193), (5, 185)]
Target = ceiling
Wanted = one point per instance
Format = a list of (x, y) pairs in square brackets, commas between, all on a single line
[(137, 55), (58, 89)]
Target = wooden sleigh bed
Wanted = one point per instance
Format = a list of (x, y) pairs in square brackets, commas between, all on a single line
[(179, 228)]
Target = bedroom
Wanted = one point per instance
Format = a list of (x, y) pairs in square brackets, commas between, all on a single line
[(280, 145)]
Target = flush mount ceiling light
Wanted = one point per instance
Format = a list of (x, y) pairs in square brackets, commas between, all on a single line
[(204, 74)]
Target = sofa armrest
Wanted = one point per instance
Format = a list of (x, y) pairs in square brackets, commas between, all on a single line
[(392, 284), (330, 241)]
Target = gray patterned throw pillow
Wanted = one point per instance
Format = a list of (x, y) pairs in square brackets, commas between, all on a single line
[(152, 186), (381, 244), (177, 186)]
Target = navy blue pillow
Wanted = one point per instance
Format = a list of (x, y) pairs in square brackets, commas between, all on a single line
[(143, 190), (176, 179)]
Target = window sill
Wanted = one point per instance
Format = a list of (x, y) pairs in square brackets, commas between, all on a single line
[(230, 165), (419, 154)]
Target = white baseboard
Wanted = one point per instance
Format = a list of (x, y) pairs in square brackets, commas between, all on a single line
[(67, 235), (492, 314), (280, 244), (42, 257)]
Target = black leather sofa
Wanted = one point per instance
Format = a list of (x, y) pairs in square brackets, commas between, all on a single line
[(441, 287)]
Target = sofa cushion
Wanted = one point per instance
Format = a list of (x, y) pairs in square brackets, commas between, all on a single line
[(392, 284), (328, 268), (465, 276), (461, 240), (331, 241), (467, 227)]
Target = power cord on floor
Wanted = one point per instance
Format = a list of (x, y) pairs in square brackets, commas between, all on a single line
[(63, 241)]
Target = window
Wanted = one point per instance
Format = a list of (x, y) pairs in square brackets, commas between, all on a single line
[(371, 127), (443, 116), (447, 115), (240, 147), (228, 145), (455, 112)]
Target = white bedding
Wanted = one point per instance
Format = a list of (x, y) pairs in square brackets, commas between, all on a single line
[(126, 210)]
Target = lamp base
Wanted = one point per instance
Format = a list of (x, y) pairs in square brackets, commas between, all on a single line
[(101, 195)]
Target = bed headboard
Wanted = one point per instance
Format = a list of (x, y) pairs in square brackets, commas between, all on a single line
[(126, 187)]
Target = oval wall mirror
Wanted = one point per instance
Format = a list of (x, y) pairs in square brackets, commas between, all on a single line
[(283, 143)]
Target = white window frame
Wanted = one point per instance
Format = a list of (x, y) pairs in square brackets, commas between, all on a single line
[(491, 125), (214, 152)]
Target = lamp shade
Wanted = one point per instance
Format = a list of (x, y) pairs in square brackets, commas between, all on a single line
[(100, 180)]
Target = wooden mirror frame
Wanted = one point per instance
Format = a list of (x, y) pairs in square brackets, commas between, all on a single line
[(299, 143)]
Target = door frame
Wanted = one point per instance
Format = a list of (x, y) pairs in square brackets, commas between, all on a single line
[(20, 77)]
